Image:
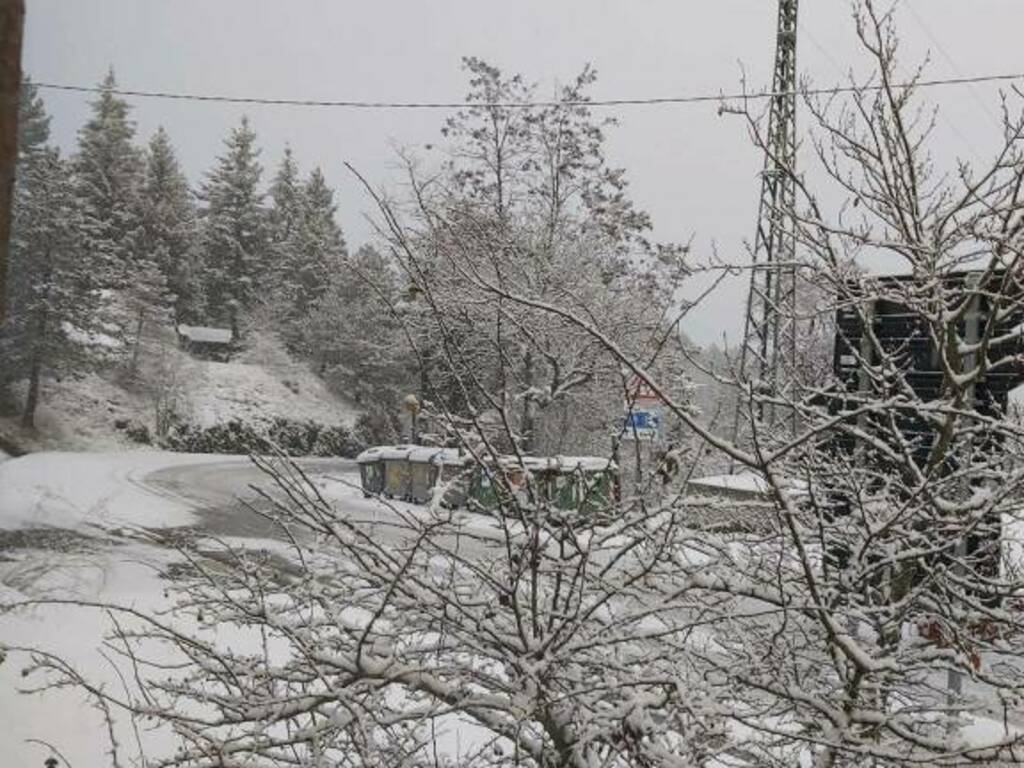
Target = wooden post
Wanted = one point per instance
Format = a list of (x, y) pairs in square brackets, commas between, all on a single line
[(12, 21)]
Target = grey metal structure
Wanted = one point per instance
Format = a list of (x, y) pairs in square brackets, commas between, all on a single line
[(769, 341)]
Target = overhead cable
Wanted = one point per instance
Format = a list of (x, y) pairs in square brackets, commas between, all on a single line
[(448, 105)]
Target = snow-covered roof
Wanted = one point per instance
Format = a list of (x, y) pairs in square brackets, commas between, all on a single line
[(585, 463), (429, 454), (745, 481), (205, 334), (559, 463), (419, 453)]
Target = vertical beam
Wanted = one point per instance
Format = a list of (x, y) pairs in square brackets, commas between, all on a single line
[(12, 20), (769, 339)]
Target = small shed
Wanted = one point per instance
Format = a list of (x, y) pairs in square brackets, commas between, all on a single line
[(206, 342)]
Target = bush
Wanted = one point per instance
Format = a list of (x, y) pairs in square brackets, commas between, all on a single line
[(377, 427), (296, 438), (138, 432)]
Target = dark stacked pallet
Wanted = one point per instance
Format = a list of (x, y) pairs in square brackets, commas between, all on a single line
[(905, 338)]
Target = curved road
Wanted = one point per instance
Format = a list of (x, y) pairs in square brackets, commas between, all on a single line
[(222, 492)]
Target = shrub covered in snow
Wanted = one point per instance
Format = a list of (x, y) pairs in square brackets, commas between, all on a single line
[(296, 438)]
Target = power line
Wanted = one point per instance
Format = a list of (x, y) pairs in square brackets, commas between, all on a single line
[(806, 33), (627, 102), (949, 60)]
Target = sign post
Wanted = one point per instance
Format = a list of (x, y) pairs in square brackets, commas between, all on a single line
[(643, 412)]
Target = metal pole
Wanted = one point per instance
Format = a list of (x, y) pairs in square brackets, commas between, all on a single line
[(769, 336)]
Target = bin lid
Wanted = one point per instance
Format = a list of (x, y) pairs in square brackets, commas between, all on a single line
[(424, 454)]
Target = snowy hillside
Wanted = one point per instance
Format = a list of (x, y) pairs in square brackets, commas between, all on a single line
[(263, 383), (92, 413), (78, 415)]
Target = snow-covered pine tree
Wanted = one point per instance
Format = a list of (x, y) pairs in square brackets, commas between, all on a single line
[(33, 122), (318, 246), (33, 134), (283, 222), (169, 225), (353, 337), (52, 292), (234, 233), (286, 198), (107, 175), (108, 180)]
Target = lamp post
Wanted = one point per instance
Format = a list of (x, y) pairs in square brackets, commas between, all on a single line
[(412, 405)]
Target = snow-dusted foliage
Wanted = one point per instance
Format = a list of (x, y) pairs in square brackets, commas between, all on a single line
[(53, 291), (109, 174), (169, 226), (356, 342), (857, 599), (526, 202), (234, 237)]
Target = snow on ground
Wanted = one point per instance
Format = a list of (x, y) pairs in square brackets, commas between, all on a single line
[(344, 494), (86, 490), (124, 576), (79, 491), (80, 415), (263, 382)]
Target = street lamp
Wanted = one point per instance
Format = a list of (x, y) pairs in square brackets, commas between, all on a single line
[(412, 405)]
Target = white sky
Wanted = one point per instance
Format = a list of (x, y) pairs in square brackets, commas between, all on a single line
[(693, 170)]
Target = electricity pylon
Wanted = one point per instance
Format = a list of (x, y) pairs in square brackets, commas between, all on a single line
[(769, 339)]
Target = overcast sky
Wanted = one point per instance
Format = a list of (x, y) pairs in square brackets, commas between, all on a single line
[(692, 169)]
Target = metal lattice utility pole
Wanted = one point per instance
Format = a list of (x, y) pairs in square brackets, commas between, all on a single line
[(769, 339)]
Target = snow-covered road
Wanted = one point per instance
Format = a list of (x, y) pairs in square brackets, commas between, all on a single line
[(151, 489), (68, 525), (71, 527)]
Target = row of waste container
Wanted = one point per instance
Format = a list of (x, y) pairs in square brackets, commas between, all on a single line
[(413, 473)]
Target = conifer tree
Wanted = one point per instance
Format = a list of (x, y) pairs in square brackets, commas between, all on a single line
[(33, 134), (109, 179), (33, 122), (318, 246), (107, 174), (234, 232), (286, 196), (354, 336), (52, 291), (169, 225), (283, 222)]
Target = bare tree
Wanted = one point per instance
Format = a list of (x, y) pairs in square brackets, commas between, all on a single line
[(866, 615)]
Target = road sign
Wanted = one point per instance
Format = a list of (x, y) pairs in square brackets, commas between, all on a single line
[(642, 424), (640, 393)]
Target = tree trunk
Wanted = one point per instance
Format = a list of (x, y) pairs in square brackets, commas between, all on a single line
[(28, 418), (529, 405), (138, 342)]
